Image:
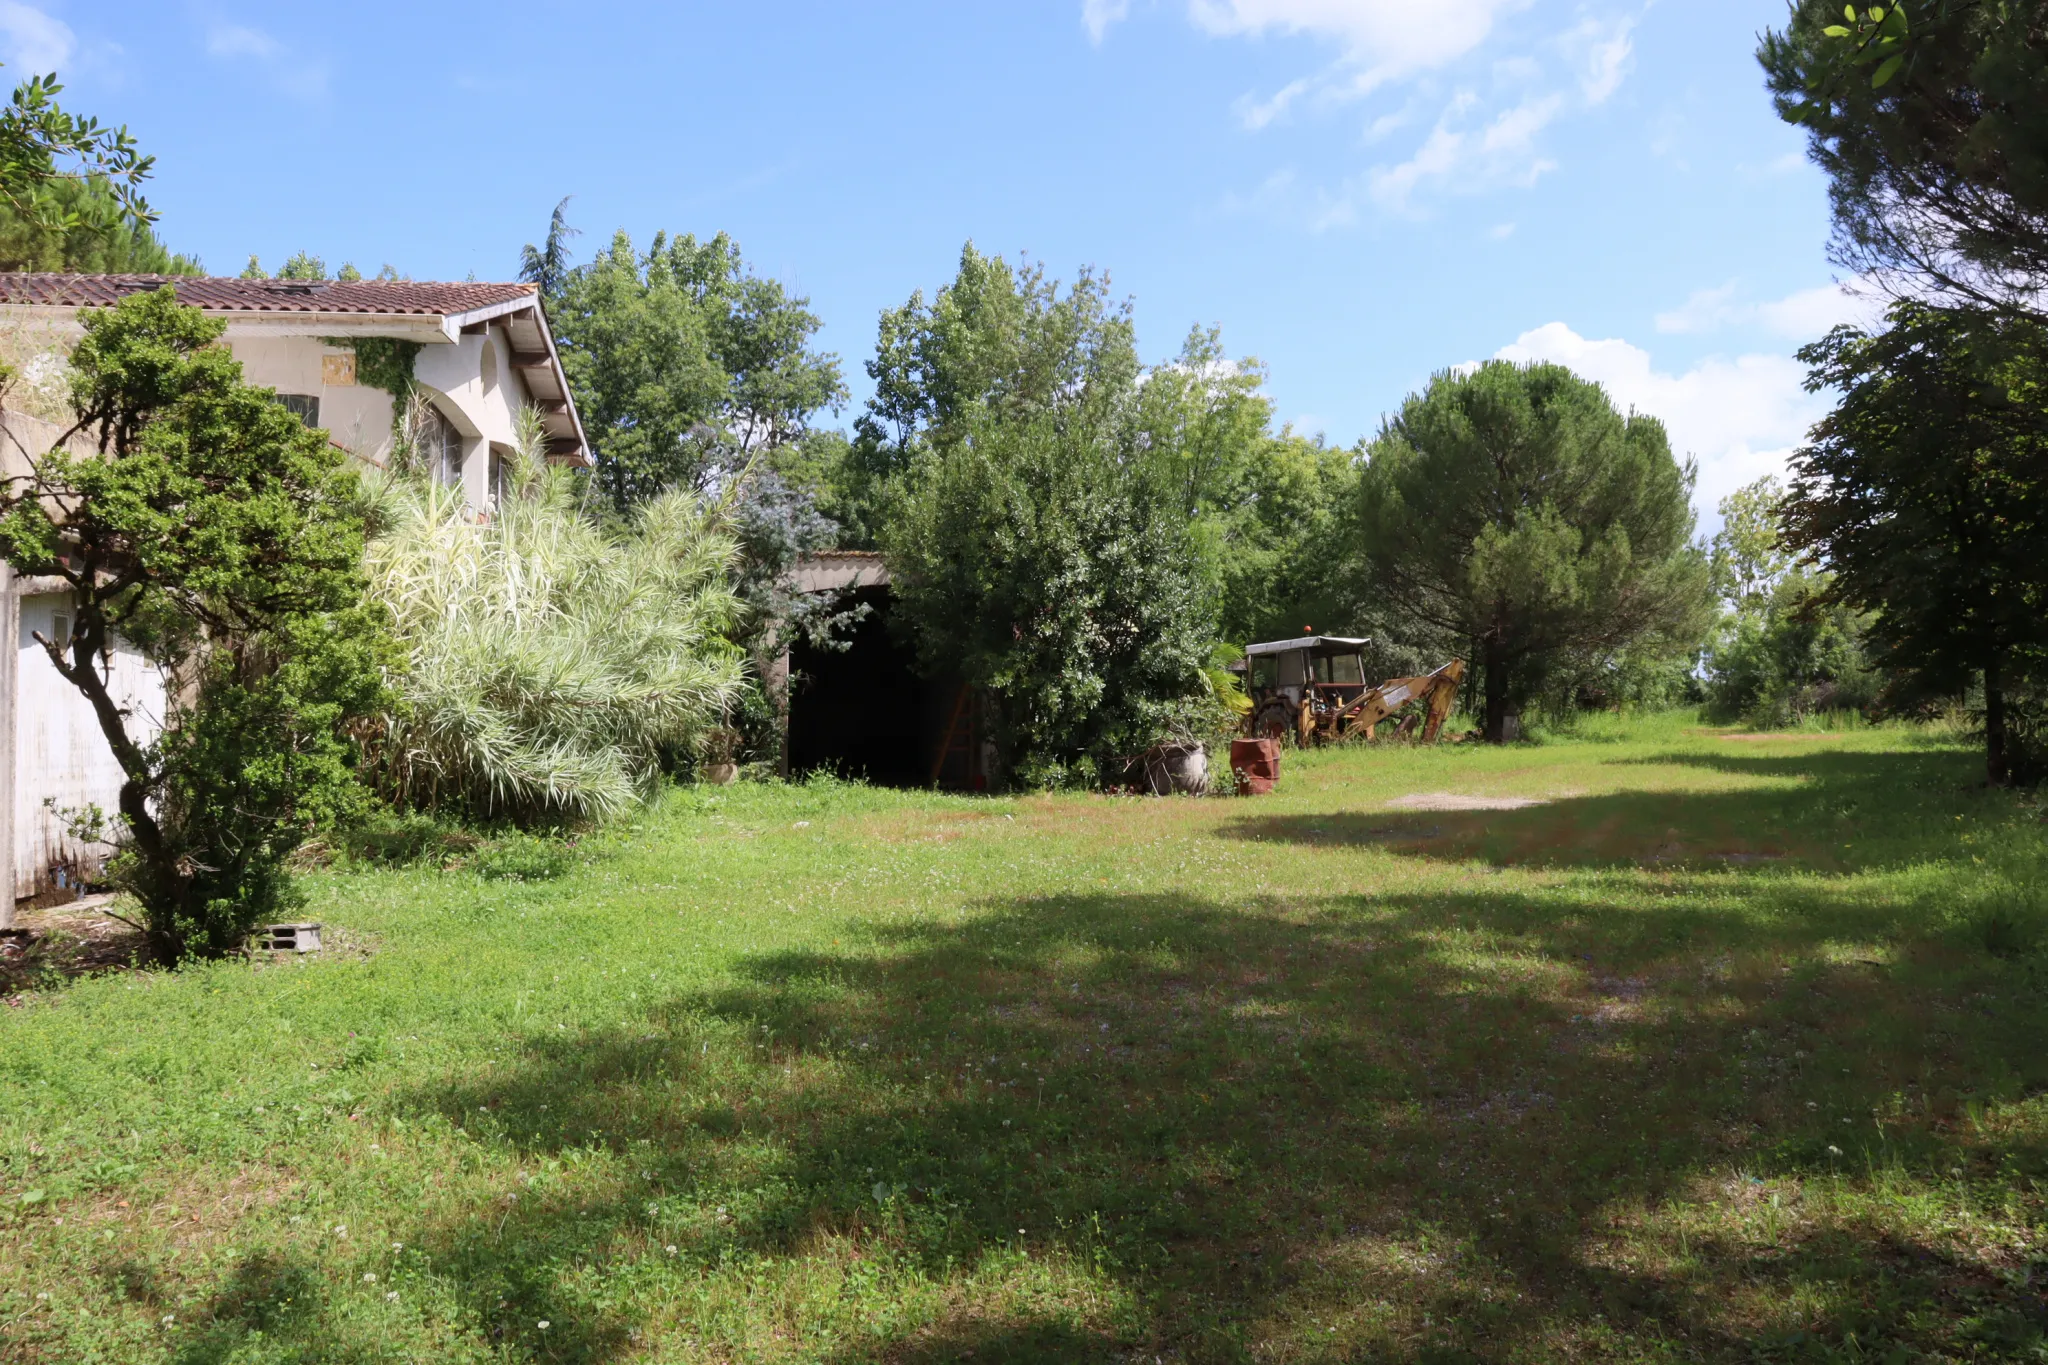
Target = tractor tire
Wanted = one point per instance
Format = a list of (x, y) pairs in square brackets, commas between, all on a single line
[(1274, 720)]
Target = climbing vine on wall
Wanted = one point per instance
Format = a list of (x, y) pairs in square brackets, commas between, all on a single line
[(383, 363)]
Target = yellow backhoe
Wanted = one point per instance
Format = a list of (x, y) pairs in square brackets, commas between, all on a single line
[(1313, 688)]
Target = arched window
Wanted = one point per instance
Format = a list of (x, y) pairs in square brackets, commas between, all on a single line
[(439, 444)]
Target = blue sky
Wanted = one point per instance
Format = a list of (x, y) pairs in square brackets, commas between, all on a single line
[(1359, 192)]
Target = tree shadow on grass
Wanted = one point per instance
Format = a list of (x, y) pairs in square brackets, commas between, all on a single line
[(1830, 811), (266, 1297), (1428, 1125)]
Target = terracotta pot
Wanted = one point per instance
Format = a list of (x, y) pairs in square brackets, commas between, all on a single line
[(721, 774)]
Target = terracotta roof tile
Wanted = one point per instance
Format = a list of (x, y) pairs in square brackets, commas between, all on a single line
[(226, 294)]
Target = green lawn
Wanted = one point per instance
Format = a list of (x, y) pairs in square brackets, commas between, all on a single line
[(1706, 1058)]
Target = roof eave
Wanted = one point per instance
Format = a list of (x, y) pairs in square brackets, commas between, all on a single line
[(581, 456)]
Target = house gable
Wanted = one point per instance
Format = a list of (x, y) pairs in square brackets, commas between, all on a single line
[(486, 352)]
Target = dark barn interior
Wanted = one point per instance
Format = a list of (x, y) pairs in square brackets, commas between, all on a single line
[(861, 712)]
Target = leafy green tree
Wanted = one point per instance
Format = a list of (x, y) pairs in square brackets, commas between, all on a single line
[(685, 364), (85, 233), (214, 532), (1782, 649), (1291, 563), (1202, 421), (43, 149), (1794, 653), (998, 340), (1052, 527), (1925, 492), (1930, 119), (1006, 342), (1271, 516), (1514, 507), (1032, 560), (304, 265), (1749, 555), (547, 265)]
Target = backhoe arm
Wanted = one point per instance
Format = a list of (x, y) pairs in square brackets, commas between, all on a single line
[(1374, 706)]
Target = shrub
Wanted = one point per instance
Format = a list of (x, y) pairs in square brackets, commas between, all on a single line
[(1792, 655), (1033, 562)]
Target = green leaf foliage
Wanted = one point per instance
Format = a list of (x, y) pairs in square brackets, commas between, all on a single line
[(43, 149), (685, 364), (1033, 562), (1933, 132), (86, 233), (1925, 492), (1018, 451), (1290, 561), (214, 532), (1270, 515), (1749, 552), (997, 342), (1512, 506)]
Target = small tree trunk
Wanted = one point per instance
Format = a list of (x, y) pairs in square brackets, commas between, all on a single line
[(1997, 762), (1496, 693), (159, 872)]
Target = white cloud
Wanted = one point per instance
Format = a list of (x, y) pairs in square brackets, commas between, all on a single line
[(1502, 231), (1471, 160), (1284, 197), (1098, 15), (1389, 123), (1492, 123), (1805, 315), (34, 43), (1382, 40), (1602, 50), (284, 70), (1257, 113), (233, 40), (1741, 417)]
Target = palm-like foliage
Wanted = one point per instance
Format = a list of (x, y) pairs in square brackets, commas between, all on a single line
[(547, 659)]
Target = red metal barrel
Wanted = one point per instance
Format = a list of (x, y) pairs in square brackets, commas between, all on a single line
[(1255, 763)]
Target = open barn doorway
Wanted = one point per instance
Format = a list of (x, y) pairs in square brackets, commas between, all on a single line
[(861, 712)]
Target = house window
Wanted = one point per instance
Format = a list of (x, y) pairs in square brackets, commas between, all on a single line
[(60, 630), (304, 406), (440, 447), (501, 477)]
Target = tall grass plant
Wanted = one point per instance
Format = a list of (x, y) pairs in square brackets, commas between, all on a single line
[(548, 658)]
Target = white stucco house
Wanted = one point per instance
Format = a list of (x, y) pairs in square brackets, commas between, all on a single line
[(485, 352)]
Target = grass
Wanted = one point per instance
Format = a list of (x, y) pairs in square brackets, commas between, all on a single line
[(1734, 1050)]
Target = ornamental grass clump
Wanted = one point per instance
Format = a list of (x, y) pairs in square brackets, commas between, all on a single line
[(548, 660)]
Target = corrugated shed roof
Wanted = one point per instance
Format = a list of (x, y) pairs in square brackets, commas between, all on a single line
[(222, 293)]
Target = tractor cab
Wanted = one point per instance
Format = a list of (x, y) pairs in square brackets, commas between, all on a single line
[(1294, 684)]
